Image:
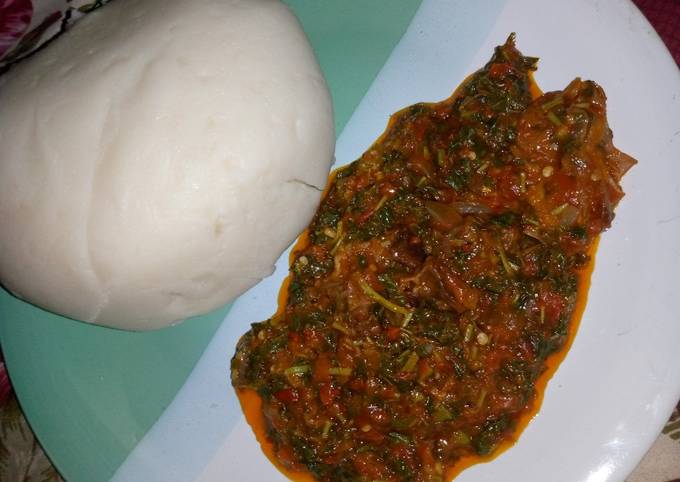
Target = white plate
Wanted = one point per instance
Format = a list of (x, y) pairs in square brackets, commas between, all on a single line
[(610, 397)]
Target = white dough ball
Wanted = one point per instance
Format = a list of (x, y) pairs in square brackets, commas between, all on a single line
[(158, 157)]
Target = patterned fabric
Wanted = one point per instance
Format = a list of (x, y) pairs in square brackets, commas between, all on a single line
[(662, 462), (664, 15), (25, 26), (21, 457), (672, 428), (16, 16)]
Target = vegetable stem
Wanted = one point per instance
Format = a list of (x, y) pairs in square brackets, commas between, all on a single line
[(297, 370), (410, 364), (326, 429), (553, 103), (341, 328), (552, 117), (509, 267), (378, 298)]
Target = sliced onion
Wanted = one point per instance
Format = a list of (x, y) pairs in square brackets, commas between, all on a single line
[(471, 208), (568, 215), (446, 216)]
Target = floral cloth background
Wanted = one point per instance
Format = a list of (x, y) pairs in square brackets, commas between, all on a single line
[(26, 26)]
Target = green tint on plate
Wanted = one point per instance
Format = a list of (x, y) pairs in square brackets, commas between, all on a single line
[(352, 40), (91, 393)]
